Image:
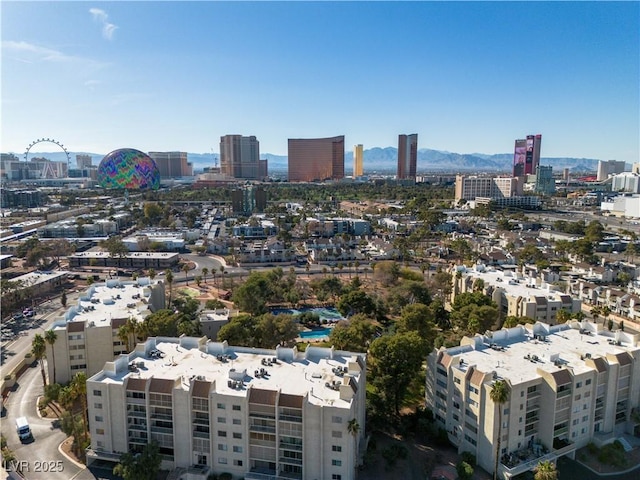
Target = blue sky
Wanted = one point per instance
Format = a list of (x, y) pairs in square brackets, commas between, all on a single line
[(466, 76)]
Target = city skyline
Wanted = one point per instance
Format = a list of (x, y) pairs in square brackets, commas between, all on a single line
[(477, 78)]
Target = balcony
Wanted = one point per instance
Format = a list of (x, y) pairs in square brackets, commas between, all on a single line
[(291, 461), (205, 435), (563, 393), (290, 418), (134, 413), (291, 446), (527, 459), (133, 426), (262, 428), (162, 430)]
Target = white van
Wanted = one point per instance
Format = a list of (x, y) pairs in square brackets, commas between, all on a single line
[(22, 427)]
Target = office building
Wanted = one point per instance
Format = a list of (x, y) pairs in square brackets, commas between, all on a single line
[(568, 385), (172, 164), (240, 157), (253, 413), (407, 156), (358, 153), (545, 183), (609, 167), (316, 159), (83, 161), (526, 157), (88, 334)]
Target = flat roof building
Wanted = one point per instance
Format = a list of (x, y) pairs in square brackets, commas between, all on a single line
[(316, 159), (250, 412), (88, 333), (358, 169), (568, 385), (172, 164), (240, 157)]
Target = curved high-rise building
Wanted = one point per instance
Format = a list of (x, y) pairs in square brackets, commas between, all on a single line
[(316, 159)]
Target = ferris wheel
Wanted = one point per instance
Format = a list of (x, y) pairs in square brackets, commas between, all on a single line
[(48, 170)]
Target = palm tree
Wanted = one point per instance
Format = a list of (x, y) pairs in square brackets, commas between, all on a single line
[(579, 315), (205, 272), (185, 269), (79, 390), (353, 427), (499, 395), (152, 274), (605, 311), (50, 337), (595, 313), (545, 471), (168, 274), (39, 351)]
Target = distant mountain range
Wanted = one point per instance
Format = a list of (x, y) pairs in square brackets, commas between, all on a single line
[(385, 159)]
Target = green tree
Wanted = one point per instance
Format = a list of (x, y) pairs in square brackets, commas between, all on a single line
[(545, 470), (142, 466), (39, 351), (185, 269), (356, 301), (168, 275), (353, 335), (115, 246), (79, 390), (241, 330), (152, 274), (579, 315), (63, 299), (395, 361), (205, 272), (162, 323), (418, 318), (353, 427), (594, 232), (50, 336), (465, 471), (499, 395), (273, 330), (563, 316)]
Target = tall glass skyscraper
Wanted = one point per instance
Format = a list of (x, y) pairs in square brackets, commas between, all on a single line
[(407, 156), (526, 157), (316, 159)]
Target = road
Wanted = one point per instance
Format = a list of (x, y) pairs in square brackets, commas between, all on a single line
[(39, 458)]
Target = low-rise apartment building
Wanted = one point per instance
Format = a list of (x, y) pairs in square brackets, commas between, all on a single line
[(88, 333), (515, 294), (133, 260), (568, 385), (214, 408)]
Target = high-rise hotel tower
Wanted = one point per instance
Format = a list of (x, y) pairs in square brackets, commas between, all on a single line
[(358, 170), (526, 157), (316, 159), (407, 156)]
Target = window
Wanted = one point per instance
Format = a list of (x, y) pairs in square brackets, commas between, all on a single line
[(237, 421), (335, 476), (519, 433), (456, 380), (237, 435), (521, 406), (222, 460), (336, 419), (97, 405), (522, 393), (222, 420), (237, 449), (588, 381), (221, 406), (222, 433), (99, 418), (579, 384), (236, 408), (520, 420), (100, 444), (577, 397), (506, 411), (336, 434), (336, 448), (100, 431), (585, 418), (222, 447), (575, 422), (336, 463), (237, 463), (585, 406), (97, 393)]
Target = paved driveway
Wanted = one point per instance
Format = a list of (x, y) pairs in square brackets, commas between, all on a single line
[(40, 458)]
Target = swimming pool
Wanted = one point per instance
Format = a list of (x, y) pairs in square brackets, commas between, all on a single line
[(316, 334), (330, 314)]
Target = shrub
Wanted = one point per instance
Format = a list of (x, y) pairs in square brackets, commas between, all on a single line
[(465, 471), (469, 458), (591, 447)]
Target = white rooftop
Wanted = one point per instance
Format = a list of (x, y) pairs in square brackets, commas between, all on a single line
[(294, 373), (114, 299), (516, 354), (102, 254), (34, 278), (514, 284)]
